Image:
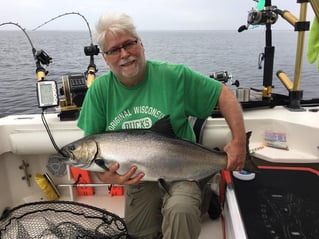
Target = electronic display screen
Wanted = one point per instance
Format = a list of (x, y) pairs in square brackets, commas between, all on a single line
[(47, 94)]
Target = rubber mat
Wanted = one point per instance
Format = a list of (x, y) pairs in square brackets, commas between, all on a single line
[(280, 204)]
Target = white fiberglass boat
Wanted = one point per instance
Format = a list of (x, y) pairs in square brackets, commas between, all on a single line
[(278, 201)]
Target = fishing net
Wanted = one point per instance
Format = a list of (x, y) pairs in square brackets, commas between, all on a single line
[(61, 220)]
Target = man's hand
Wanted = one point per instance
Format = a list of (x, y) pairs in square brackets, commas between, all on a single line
[(236, 153), (112, 177), (232, 112)]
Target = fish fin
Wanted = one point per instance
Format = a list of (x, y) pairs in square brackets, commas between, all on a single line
[(163, 186), (164, 127), (250, 165)]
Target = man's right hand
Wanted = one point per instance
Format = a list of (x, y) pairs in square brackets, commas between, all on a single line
[(111, 176)]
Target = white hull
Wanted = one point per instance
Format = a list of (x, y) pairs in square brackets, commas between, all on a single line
[(25, 138)]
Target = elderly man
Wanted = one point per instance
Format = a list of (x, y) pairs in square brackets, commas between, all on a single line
[(142, 91)]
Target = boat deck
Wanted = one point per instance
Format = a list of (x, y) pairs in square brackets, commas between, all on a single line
[(24, 139), (211, 229)]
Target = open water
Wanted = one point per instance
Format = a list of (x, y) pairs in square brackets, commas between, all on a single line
[(204, 51)]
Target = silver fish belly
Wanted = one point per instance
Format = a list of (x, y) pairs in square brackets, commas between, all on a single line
[(154, 154)]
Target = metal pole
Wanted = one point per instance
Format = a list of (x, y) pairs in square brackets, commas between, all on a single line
[(300, 46)]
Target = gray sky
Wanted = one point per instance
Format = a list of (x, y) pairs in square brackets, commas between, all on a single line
[(147, 14)]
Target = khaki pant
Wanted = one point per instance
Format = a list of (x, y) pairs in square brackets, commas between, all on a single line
[(150, 213)]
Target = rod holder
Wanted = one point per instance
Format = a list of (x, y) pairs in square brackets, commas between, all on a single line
[(295, 97)]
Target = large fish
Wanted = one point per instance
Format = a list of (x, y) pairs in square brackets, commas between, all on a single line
[(156, 152)]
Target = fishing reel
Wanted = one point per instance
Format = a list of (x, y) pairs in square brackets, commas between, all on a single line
[(224, 77), (74, 89), (75, 86), (42, 57), (91, 50), (268, 15)]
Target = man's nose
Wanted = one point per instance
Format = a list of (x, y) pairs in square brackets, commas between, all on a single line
[(124, 52)]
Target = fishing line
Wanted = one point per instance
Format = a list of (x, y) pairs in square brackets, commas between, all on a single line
[(65, 14), (45, 123)]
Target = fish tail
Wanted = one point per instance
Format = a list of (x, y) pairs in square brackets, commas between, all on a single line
[(250, 165)]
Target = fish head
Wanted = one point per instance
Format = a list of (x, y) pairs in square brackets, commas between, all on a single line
[(81, 152)]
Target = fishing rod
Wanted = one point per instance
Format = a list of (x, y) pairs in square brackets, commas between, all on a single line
[(267, 14), (90, 50), (24, 31), (40, 56), (74, 86), (65, 14), (46, 90)]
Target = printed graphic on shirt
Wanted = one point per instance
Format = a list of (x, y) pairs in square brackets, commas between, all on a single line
[(144, 123), (137, 117)]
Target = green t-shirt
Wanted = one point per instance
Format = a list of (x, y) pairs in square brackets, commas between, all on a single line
[(166, 89)]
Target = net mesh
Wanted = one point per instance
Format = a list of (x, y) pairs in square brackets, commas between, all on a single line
[(60, 219)]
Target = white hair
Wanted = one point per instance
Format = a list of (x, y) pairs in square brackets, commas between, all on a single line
[(113, 23)]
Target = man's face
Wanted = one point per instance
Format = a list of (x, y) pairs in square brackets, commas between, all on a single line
[(125, 56)]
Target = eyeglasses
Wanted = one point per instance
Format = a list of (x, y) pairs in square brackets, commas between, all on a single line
[(127, 46)]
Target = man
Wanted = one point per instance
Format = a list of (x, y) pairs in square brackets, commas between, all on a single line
[(135, 94)]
